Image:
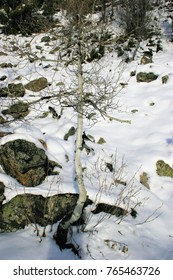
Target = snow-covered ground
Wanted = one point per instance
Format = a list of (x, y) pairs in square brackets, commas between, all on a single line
[(133, 147)]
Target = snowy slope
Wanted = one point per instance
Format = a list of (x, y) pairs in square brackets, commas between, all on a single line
[(134, 147)]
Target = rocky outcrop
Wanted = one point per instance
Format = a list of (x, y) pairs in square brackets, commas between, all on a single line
[(24, 161), (37, 84)]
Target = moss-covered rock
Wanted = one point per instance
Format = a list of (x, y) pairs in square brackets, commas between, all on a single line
[(101, 141), (17, 110), (16, 90), (21, 211), (29, 208), (164, 169), (24, 161), (27, 163), (146, 77)]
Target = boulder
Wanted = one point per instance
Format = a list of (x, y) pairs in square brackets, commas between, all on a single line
[(37, 84), (146, 77), (18, 110), (27, 209), (21, 211), (24, 161)]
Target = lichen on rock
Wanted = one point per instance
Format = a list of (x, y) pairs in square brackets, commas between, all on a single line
[(164, 169)]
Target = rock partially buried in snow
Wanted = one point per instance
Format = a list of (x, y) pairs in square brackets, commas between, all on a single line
[(28, 208), (146, 77), (16, 90), (163, 169), (37, 84), (24, 161), (17, 110), (147, 57)]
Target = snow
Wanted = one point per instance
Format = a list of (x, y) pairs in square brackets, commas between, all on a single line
[(138, 145)]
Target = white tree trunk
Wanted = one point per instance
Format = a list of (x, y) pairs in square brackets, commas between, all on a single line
[(61, 235), (78, 148)]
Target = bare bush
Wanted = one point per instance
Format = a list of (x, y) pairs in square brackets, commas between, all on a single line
[(134, 16)]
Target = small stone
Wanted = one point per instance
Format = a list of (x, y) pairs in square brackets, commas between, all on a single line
[(101, 141)]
